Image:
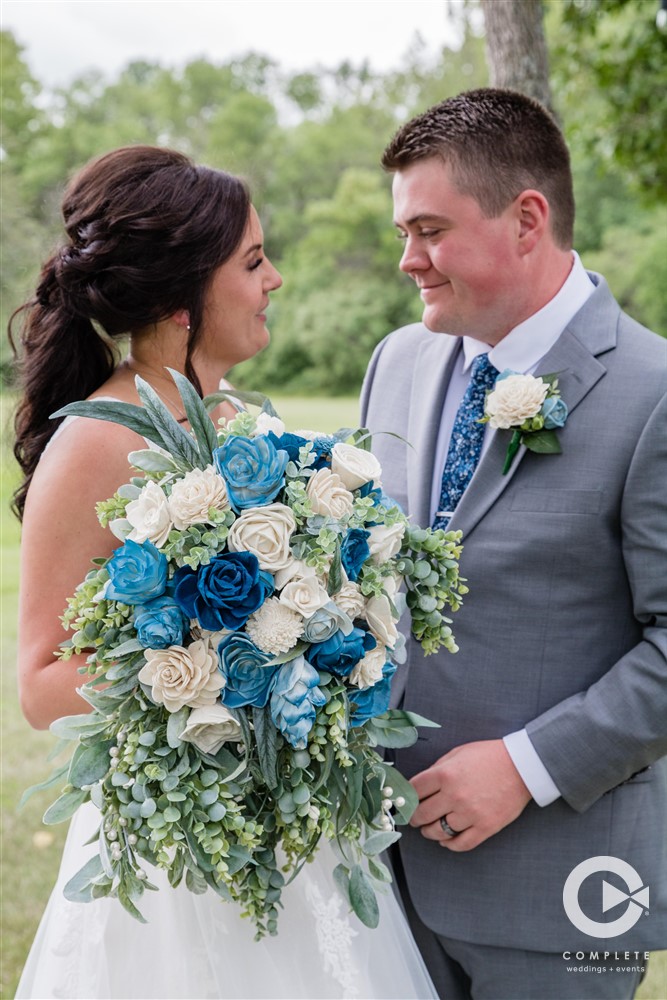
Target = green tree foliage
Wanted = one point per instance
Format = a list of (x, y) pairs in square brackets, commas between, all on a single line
[(309, 144), (609, 72)]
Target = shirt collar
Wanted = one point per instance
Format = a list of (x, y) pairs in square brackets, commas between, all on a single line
[(527, 343)]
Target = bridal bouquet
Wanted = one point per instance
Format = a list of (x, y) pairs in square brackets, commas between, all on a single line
[(242, 639)]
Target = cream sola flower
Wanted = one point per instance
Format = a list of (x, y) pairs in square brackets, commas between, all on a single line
[(531, 407), (180, 676), (149, 516), (275, 628), (193, 496), (515, 398)]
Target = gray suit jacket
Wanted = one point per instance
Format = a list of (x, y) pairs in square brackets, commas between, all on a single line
[(564, 630)]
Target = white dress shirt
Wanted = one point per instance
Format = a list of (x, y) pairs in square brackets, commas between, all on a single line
[(521, 350)]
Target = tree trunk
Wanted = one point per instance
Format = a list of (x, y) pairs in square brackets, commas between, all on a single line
[(515, 47)]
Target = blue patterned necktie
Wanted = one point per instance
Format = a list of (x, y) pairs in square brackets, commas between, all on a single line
[(465, 444)]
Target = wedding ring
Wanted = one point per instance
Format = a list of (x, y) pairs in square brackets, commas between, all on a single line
[(446, 828)]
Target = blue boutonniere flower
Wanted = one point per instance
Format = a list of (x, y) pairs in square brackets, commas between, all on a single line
[(531, 407)]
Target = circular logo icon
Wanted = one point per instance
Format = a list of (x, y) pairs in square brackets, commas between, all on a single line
[(636, 897)]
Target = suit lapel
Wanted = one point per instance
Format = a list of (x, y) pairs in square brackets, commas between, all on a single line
[(435, 363), (592, 331)]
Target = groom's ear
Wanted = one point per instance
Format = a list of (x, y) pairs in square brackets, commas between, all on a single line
[(533, 213)]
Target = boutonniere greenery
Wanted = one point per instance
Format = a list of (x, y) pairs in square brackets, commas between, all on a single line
[(531, 407)]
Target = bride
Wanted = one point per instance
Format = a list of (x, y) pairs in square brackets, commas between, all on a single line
[(170, 254)]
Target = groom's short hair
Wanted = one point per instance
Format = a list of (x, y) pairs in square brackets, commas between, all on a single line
[(497, 144)]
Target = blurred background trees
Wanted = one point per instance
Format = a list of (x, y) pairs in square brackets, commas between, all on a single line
[(309, 143)]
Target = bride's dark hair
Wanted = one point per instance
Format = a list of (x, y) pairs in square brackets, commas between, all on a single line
[(146, 230)]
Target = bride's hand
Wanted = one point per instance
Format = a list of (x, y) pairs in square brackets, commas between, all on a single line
[(476, 788)]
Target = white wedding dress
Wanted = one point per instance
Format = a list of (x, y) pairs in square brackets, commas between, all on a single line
[(197, 946)]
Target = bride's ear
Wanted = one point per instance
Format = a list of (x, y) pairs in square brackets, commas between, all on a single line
[(182, 318)]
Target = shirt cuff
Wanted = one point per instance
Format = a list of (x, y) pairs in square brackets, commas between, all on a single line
[(535, 776)]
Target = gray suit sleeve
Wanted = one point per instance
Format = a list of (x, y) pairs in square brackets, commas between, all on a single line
[(600, 737)]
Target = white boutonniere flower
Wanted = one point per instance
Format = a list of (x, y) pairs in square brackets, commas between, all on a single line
[(531, 407)]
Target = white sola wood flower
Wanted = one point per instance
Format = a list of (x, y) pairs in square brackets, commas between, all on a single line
[(193, 496), (515, 398), (264, 531), (208, 728), (149, 516), (350, 599), (328, 494), (385, 541), (368, 670), (355, 466), (267, 424), (379, 617), (274, 628), (305, 596), (179, 676)]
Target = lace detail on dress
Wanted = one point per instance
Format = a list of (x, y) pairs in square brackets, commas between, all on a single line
[(334, 938)]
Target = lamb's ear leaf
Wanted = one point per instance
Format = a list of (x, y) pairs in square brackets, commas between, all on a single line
[(174, 438), (231, 395), (197, 414), (127, 414)]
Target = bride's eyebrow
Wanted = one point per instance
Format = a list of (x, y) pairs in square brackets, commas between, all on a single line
[(253, 249)]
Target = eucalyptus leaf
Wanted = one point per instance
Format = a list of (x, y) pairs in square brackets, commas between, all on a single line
[(198, 852), (362, 897), (394, 738), (402, 789), (200, 422), (64, 807), (218, 887), (175, 726), (407, 718)]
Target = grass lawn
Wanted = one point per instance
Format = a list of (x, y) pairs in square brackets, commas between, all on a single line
[(30, 852)]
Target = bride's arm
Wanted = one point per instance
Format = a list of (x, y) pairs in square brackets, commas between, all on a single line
[(60, 536)]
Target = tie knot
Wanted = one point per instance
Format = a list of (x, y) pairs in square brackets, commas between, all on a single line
[(483, 372)]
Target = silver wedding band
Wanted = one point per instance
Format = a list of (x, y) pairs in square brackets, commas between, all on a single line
[(446, 828)]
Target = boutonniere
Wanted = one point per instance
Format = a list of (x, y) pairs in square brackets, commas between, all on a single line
[(530, 406)]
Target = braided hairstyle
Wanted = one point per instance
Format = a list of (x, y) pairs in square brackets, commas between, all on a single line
[(146, 230)]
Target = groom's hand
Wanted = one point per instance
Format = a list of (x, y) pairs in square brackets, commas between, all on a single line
[(477, 787)]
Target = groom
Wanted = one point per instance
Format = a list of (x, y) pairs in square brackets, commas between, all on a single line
[(553, 714)]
